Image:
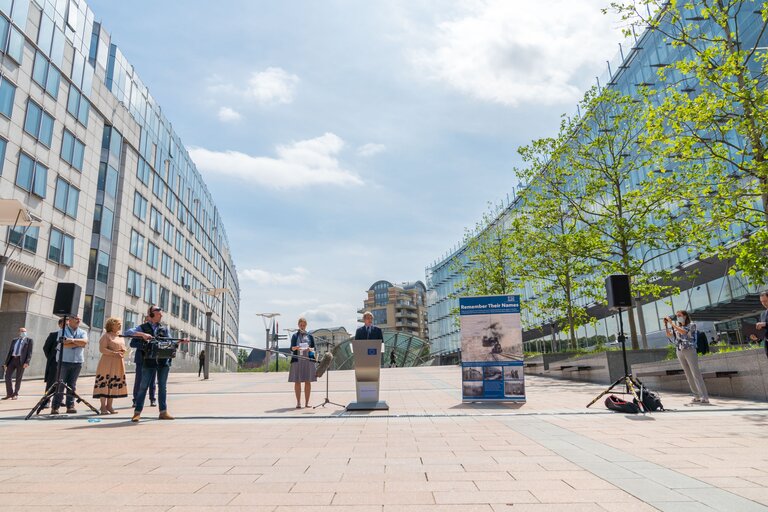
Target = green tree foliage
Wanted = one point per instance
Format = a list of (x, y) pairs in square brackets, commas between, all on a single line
[(242, 357), (709, 115), (630, 216)]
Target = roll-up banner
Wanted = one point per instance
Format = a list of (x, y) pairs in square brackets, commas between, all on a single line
[(491, 349)]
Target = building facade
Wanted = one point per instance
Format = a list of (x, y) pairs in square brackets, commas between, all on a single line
[(398, 307), (125, 213), (723, 304)]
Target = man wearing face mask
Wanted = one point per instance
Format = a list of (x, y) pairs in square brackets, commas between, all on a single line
[(684, 333), (19, 354)]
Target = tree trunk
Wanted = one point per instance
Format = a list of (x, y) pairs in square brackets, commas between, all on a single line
[(632, 328)]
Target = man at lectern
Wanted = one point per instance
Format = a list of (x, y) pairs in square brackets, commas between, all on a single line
[(368, 331)]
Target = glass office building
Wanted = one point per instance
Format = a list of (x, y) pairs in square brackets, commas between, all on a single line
[(125, 214), (721, 303)]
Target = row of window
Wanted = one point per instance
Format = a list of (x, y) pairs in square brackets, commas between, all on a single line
[(156, 294), (61, 246)]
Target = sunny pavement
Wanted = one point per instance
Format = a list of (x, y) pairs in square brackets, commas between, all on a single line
[(238, 443)]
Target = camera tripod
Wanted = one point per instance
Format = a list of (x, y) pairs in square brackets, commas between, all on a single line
[(631, 384), (59, 386)]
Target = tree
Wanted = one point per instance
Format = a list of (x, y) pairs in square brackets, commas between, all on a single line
[(596, 167), (242, 357), (709, 114)]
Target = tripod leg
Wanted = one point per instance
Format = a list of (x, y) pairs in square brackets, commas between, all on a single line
[(610, 388), (48, 395)]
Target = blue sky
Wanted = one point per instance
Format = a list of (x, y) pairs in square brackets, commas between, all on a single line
[(350, 141)]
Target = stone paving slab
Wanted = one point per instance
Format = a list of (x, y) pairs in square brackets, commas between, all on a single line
[(239, 444)]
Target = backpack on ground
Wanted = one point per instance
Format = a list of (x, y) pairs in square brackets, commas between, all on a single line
[(651, 400), (615, 403)]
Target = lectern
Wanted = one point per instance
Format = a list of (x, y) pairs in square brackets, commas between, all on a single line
[(367, 357)]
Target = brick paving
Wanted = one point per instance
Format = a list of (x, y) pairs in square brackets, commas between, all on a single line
[(239, 444)]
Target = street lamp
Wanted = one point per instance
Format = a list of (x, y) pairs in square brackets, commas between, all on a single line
[(269, 323), (212, 292), (13, 213)]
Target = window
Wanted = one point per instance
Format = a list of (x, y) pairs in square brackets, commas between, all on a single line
[(78, 106), (66, 198), (102, 221), (185, 310), (15, 45), (167, 231), (98, 266), (179, 242), (3, 144), (46, 75), (107, 180), (155, 220), (153, 255), (139, 206), (93, 311), (177, 273), (158, 186), (38, 123), (130, 319), (165, 294), (175, 304), (379, 316), (150, 291), (188, 251), (61, 248), (31, 175), (143, 171), (23, 237), (7, 95), (133, 286), (193, 317), (137, 244), (165, 268), (72, 150)]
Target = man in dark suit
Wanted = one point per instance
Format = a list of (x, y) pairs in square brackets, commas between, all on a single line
[(368, 331), (763, 323), (50, 347), (19, 354)]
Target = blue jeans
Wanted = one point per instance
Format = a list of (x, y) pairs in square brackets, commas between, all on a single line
[(137, 382), (147, 376), (69, 374)]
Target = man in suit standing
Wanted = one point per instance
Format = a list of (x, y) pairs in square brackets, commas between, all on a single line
[(763, 323), (19, 354), (368, 331), (50, 347)]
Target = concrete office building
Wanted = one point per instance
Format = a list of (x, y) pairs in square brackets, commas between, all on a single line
[(125, 213), (724, 305), (398, 307)]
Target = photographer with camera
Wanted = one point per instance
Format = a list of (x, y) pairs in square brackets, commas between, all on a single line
[(153, 367), (680, 328)]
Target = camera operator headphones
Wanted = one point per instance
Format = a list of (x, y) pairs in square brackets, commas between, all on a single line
[(152, 310)]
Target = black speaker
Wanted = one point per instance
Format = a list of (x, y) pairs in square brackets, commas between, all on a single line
[(67, 300), (617, 291)]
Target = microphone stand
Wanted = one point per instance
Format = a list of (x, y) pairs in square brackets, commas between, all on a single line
[(59, 386), (327, 371)]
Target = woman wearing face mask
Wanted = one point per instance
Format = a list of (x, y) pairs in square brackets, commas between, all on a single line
[(302, 369), (684, 333)]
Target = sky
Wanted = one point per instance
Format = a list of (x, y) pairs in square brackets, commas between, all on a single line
[(346, 141)]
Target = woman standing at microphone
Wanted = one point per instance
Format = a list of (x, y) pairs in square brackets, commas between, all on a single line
[(302, 363), (684, 332)]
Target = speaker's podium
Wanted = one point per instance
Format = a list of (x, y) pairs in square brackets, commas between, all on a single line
[(367, 357)]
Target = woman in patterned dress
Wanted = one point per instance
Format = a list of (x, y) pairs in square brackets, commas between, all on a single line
[(110, 374)]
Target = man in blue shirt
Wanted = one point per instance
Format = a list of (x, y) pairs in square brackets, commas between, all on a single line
[(72, 359), (153, 368)]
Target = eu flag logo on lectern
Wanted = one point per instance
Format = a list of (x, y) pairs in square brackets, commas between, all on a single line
[(372, 351)]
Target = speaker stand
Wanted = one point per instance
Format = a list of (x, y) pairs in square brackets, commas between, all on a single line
[(631, 384), (59, 385)]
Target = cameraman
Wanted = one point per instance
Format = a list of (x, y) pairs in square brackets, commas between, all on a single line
[(684, 333), (153, 368)]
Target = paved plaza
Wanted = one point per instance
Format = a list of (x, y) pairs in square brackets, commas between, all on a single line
[(239, 444)]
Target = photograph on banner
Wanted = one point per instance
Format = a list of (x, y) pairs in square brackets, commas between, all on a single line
[(491, 348)]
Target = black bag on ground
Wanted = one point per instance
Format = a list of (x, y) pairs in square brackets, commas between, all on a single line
[(651, 400), (615, 403)]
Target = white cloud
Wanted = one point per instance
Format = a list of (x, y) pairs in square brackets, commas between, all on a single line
[(299, 164), (264, 277), (227, 115), (293, 302), (515, 52), (370, 149), (329, 315), (272, 86)]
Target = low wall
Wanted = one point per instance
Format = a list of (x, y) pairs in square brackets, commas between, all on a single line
[(602, 367), (538, 365), (750, 381)]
